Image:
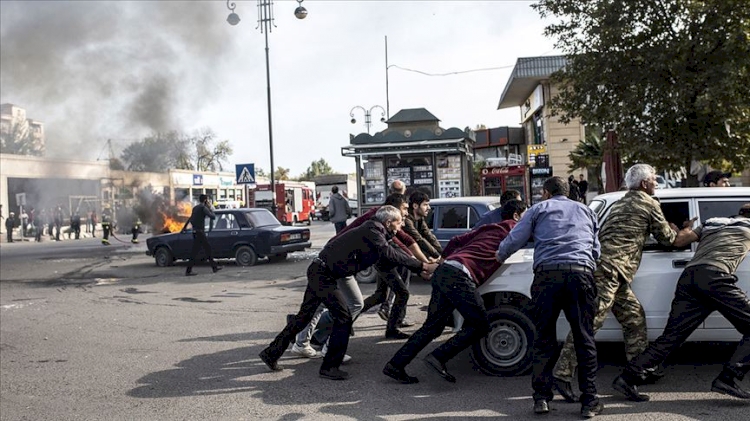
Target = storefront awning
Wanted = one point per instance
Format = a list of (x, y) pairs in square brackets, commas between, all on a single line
[(419, 146)]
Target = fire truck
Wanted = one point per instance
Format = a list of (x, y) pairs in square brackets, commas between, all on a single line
[(295, 201)]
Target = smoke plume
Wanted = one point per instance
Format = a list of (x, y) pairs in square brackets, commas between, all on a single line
[(92, 71)]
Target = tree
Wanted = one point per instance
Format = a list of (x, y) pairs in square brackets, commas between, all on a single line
[(209, 155), (589, 153), (158, 153), (672, 77), (281, 174), (316, 168), (16, 137), (162, 151)]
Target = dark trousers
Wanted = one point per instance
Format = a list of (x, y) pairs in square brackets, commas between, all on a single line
[(105, 232), (58, 227), (77, 230), (390, 279), (573, 293), (9, 234), (451, 289), (700, 291), (338, 226), (200, 242), (321, 288), (38, 232)]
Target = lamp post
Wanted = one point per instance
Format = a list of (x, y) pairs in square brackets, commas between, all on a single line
[(368, 115), (265, 23)]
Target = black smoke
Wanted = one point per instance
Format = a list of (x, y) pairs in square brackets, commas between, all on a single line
[(92, 71)]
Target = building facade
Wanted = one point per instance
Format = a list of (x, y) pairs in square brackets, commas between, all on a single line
[(19, 134)]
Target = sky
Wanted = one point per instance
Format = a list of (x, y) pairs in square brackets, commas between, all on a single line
[(98, 70)]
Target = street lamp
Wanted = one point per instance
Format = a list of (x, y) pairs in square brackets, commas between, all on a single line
[(265, 23), (368, 115)]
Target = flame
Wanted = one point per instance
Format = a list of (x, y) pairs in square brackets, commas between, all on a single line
[(173, 218)]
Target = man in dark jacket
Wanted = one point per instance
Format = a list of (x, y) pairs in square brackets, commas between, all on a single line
[(469, 262), (200, 241), (338, 209), (344, 255)]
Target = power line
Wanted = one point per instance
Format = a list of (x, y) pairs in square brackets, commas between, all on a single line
[(452, 73)]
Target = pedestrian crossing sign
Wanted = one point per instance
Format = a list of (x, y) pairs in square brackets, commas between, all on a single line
[(245, 174)]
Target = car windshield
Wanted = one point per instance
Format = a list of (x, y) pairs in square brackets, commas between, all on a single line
[(261, 218)]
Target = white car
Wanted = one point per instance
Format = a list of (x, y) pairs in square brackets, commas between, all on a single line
[(506, 350)]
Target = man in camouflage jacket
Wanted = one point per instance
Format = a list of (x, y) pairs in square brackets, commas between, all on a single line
[(622, 236)]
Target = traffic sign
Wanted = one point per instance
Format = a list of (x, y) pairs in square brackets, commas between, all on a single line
[(245, 174)]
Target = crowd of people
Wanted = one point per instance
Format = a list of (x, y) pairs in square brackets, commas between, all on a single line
[(580, 268)]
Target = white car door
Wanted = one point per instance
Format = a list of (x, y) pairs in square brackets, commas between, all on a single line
[(654, 283), (717, 327)]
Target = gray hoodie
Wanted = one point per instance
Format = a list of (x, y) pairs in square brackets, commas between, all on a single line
[(338, 208)]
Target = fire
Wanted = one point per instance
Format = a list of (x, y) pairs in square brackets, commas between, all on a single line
[(173, 218)]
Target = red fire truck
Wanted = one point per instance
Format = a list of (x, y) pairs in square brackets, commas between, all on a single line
[(295, 201)]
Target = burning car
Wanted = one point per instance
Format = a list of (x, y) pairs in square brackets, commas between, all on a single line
[(241, 234)]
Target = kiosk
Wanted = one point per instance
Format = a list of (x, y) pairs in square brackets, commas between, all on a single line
[(416, 150)]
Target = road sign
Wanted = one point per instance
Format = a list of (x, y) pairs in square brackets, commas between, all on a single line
[(245, 174)]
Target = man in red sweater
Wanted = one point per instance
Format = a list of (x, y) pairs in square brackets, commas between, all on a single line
[(469, 262)]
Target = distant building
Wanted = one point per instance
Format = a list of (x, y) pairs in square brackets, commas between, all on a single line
[(529, 88), (20, 135)]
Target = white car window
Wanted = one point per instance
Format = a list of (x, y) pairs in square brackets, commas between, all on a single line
[(714, 208)]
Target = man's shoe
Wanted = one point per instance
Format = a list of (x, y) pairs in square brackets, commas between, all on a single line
[(406, 323), (629, 390), (433, 363), (383, 314), (591, 410), (306, 351), (397, 335), (729, 388), (565, 389), (333, 374), (271, 364), (399, 374), (190, 273), (218, 268), (541, 406)]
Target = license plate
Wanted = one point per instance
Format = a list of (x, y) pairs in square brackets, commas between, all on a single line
[(295, 236)]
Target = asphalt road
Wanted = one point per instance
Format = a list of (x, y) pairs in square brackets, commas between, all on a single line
[(101, 333)]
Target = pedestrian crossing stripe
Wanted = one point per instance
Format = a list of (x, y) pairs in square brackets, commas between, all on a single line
[(245, 176)]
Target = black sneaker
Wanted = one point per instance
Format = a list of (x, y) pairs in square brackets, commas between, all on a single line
[(591, 410), (399, 374), (271, 364), (333, 374), (629, 390), (730, 388), (190, 273), (218, 268)]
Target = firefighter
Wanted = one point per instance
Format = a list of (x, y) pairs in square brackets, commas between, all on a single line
[(106, 225), (136, 230)]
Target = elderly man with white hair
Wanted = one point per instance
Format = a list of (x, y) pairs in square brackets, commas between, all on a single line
[(622, 236)]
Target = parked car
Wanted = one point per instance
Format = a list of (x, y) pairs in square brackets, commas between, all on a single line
[(447, 219), (457, 215), (506, 350), (241, 234)]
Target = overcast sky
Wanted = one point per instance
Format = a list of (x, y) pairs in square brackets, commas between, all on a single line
[(98, 70)]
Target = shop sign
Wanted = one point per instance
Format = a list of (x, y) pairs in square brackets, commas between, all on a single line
[(533, 103), (182, 179), (533, 150), (226, 181), (495, 171), (197, 179)]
